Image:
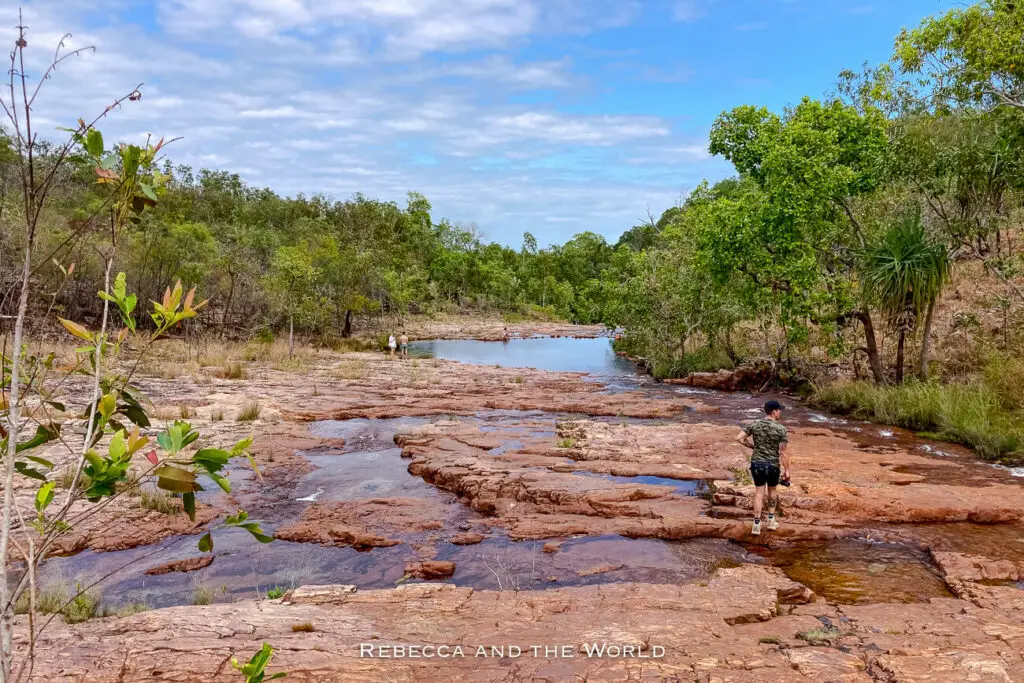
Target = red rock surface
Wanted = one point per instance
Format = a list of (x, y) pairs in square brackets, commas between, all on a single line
[(188, 565), (742, 626), (468, 538), (430, 570), (365, 524)]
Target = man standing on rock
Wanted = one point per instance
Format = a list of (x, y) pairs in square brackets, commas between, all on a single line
[(769, 461)]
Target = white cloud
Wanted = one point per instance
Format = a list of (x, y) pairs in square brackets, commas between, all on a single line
[(374, 96), (688, 10)]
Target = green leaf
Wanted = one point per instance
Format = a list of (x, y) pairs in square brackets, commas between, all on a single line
[(206, 543), (220, 481), (118, 447), (163, 439), (24, 470), (44, 496), (76, 329), (175, 473), (40, 461), (177, 486), (42, 435), (237, 518), (188, 501), (93, 458), (148, 191), (257, 533), (93, 143), (241, 447), (135, 414), (108, 404), (211, 459)]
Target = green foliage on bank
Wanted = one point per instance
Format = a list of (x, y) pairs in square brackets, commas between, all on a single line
[(985, 414)]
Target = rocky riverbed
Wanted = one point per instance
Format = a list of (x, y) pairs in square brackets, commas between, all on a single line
[(558, 509)]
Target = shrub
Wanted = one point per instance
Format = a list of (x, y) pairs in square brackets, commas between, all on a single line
[(202, 595), (82, 607), (275, 593), (819, 636), (158, 501), (232, 371), (355, 369), (250, 411), (303, 628), (48, 601), (972, 414)]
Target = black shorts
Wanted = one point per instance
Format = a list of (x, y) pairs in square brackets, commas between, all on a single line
[(765, 473)]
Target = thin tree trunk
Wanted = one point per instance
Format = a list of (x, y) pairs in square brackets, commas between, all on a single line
[(900, 350), (291, 334), (922, 364), (346, 331), (227, 307), (874, 358), (13, 420)]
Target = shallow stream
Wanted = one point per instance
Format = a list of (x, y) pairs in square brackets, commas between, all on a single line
[(370, 466)]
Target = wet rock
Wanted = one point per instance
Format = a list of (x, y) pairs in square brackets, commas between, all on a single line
[(959, 567), (365, 524), (746, 378), (467, 539), (133, 528), (433, 569), (602, 569), (571, 429), (189, 565), (552, 547)]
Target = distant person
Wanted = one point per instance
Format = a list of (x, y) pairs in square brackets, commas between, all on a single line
[(504, 334), (392, 344), (769, 461), (404, 344)]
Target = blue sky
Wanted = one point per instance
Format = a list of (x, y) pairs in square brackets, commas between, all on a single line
[(548, 116)]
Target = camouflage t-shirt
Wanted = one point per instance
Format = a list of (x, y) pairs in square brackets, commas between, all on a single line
[(768, 435)]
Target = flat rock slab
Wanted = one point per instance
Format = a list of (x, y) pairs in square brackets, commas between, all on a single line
[(732, 629), (188, 565)]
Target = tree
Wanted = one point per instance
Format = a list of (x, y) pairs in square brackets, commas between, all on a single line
[(905, 273), (291, 281), (795, 233), (972, 55)]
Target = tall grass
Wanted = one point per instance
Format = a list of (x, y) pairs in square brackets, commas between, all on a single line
[(976, 414), (250, 411), (54, 600), (154, 499), (232, 371)]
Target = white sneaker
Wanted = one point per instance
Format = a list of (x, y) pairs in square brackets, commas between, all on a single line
[(756, 529), (773, 524)]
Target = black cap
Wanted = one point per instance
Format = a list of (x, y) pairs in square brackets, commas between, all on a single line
[(771, 406)]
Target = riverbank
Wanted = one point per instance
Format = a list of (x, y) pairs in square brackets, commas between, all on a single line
[(576, 507)]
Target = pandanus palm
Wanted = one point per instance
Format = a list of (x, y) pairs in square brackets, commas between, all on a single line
[(904, 273)]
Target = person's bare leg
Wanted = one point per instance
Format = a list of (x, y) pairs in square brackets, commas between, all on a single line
[(773, 502), (758, 501), (758, 504)]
